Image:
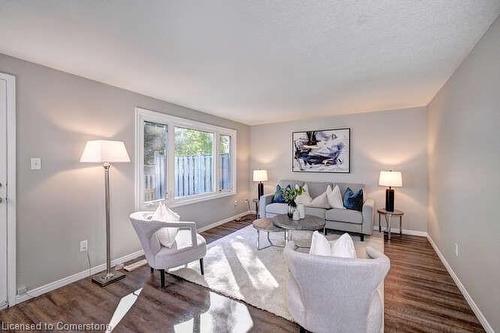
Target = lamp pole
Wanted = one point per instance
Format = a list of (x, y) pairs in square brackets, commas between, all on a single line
[(109, 276)]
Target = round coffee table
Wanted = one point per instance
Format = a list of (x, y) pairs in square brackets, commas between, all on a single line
[(308, 223)]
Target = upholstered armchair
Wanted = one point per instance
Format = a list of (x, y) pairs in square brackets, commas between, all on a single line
[(188, 246), (330, 294)]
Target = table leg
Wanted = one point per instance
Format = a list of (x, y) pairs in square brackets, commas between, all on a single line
[(388, 225), (400, 225), (379, 227)]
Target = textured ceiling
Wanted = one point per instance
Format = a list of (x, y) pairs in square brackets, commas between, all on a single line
[(255, 61)]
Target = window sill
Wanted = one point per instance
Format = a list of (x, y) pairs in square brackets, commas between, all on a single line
[(199, 198), (189, 200)]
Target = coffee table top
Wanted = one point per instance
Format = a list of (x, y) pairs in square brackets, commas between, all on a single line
[(266, 225), (309, 222)]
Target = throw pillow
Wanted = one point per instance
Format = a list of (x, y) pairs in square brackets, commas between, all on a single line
[(305, 197), (320, 245), (321, 201), (344, 247), (353, 200), (279, 194), (166, 236), (334, 197)]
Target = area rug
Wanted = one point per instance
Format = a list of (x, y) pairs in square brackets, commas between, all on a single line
[(235, 268)]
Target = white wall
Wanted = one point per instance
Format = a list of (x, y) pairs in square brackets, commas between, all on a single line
[(379, 140), (464, 173)]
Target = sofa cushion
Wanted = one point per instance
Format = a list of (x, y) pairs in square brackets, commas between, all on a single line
[(319, 212), (317, 188), (277, 208), (344, 215)]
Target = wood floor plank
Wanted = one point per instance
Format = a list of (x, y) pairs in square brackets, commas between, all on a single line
[(420, 296)]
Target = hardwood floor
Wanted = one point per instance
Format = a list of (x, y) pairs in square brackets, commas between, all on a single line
[(420, 296)]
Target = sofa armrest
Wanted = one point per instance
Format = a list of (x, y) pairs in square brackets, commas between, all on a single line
[(368, 216), (263, 202)]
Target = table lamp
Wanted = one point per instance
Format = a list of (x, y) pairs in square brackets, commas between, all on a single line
[(106, 152), (390, 179), (260, 176)]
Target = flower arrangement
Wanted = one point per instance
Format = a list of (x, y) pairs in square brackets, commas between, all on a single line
[(292, 193)]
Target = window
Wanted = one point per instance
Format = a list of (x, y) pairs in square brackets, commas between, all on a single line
[(155, 161), (194, 165), (182, 161), (225, 165)]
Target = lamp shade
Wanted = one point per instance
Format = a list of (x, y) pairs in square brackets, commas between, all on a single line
[(260, 175), (101, 151), (390, 179)]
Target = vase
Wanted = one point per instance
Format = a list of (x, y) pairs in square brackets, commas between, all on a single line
[(291, 209), (296, 215), (302, 211)]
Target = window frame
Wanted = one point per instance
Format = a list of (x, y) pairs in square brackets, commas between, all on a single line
[(142, 115)]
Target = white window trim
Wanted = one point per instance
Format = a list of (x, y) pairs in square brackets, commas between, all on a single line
[(142, 115)]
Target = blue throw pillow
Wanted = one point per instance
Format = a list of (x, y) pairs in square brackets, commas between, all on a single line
[(353, 200), (279, 195)]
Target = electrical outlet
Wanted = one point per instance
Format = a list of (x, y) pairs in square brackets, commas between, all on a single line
[(22, 290), (456, 249), (83, 246), (35, 163)]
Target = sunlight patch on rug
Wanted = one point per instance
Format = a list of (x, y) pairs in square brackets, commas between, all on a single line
[(235, 268)]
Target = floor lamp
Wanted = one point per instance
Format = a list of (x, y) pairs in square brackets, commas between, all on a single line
[(106, 152)]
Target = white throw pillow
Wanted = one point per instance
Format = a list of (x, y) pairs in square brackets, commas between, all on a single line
[(304, 198), (321, 201), (166, 236), (320, 246), (335, 197), (343, 247)]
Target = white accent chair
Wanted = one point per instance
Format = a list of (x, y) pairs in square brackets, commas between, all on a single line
[(188, 246), (330, 294)]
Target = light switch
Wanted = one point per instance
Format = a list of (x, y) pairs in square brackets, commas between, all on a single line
[(36, 163)]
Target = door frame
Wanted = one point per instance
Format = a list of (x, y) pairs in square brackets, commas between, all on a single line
[(11, 187)]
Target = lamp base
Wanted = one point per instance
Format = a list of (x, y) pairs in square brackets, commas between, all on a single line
[(389, 200), (260, 190), (104, 279)]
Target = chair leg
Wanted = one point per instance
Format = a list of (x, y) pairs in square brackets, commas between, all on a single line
[(162, 278), (152, 270), (201, 267), (362, 237)]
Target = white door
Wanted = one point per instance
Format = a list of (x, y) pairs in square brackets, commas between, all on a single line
[(3, 192)]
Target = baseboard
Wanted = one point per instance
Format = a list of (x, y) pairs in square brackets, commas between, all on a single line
[(226, 220), (465, 293), (94, 270), (406, 231), (73, 278)]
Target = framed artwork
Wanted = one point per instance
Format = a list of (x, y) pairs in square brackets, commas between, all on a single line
[(321, 151)]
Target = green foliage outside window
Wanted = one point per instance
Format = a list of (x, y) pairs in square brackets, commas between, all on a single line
[(189, 142)]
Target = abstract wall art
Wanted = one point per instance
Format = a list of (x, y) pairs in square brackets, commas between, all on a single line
[(321, 151)]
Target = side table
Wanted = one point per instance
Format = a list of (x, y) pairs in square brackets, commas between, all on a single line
[(388, 215)]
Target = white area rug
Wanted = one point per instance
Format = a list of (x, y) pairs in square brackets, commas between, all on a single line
[(235, 268)]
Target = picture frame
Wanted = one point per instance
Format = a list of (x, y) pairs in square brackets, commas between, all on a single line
[(322, 151)]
